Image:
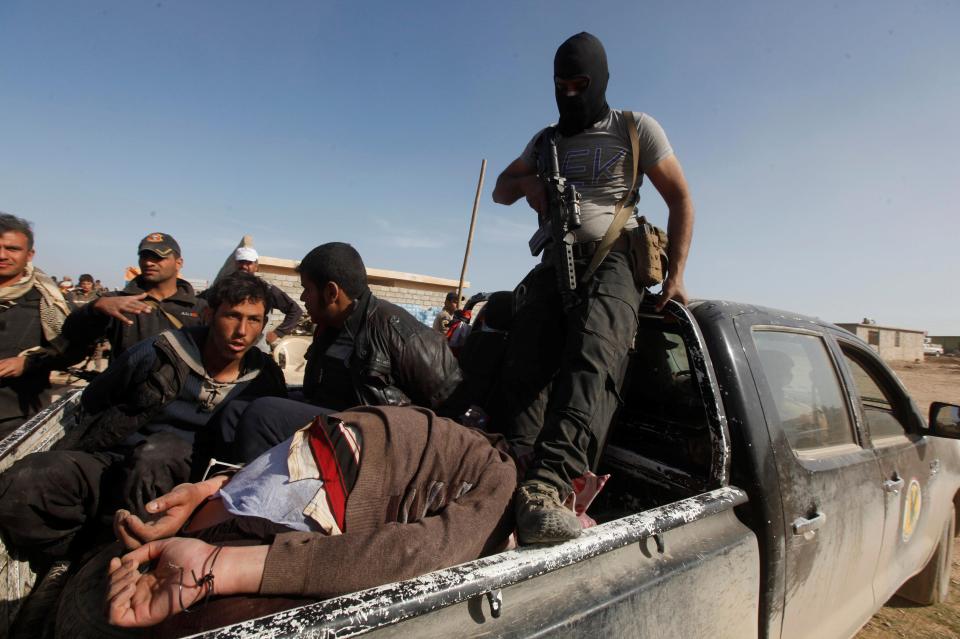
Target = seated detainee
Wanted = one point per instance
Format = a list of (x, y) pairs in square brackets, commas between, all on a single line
[(144, 420), (365, 352), (371, 495)]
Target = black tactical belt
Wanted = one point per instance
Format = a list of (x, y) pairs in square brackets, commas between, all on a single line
[(587, 249)]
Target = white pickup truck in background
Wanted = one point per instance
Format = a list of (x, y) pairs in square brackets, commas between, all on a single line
[(929, 348)]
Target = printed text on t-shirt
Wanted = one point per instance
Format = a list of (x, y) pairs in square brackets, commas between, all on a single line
[(576, 165)]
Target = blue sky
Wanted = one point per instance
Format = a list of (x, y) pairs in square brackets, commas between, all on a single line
[(820, 140)]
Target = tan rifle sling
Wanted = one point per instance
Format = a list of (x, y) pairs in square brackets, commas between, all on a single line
[(177, 324)]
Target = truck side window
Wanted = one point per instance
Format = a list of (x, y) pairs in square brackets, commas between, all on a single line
[(878, 410), (806, 389)]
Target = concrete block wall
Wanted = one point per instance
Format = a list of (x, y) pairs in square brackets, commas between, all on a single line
[(422, 299), (909, 348), (289, 284), (403, 295)]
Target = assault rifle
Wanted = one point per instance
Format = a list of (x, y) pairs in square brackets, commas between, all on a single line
[(562, 218)]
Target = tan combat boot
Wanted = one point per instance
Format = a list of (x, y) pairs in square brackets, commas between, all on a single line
[(541, 518)]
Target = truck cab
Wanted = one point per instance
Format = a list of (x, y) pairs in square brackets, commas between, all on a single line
[(846, 483)]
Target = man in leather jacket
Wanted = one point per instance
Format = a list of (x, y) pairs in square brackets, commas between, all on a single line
[(146, 422), (365, 352)]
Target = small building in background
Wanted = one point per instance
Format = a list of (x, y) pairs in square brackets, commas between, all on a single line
[(892, 344), (421, 295)]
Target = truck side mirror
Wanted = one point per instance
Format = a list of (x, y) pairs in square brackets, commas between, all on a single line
[(945, 420)]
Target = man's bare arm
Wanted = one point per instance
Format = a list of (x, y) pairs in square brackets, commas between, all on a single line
[(520, 180), (139, 598), (667, 177)]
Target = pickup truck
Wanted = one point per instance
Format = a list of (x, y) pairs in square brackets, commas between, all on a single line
[(932, 348), (770, 477)]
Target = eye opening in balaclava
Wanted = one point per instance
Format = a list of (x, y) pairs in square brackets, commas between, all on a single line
[(581, 55)]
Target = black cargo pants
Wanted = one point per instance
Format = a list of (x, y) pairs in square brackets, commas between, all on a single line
[(54, 503), (563, 371)]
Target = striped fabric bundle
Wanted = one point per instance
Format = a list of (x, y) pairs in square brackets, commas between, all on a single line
[(329, 450)]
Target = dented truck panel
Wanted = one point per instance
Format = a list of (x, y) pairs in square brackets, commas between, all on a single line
[(634, 591), (696, 538)]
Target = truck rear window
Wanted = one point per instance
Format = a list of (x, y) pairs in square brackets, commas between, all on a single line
[(661, 432)]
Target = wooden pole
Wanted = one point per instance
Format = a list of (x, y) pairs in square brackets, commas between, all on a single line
[(473, 223)]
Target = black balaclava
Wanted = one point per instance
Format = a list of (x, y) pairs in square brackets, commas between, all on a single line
[(582, 55)]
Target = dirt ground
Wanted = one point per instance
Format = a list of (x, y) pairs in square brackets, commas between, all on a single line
[(937, 379)]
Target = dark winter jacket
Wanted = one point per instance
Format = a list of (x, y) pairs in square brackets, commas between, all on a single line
[(137, 387), (85, 325), (20, 329), (381, 357)]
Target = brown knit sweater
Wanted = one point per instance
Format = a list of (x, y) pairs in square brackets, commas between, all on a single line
[(430, 494)]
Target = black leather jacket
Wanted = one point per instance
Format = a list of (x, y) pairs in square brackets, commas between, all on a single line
[(381, 357)]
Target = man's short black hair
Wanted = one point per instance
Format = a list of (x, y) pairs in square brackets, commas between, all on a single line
[(17, 224), (336, 262), (86, 277), (237, 288)]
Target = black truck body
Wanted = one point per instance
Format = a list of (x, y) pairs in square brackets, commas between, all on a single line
[(770, 477)]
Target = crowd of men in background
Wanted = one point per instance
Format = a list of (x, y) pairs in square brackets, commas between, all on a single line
[(376, 420), (187, 385), (86, 290)]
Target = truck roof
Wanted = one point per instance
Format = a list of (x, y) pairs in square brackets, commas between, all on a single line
[(724, 309)]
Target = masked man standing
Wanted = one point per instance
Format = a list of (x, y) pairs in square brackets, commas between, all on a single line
[(564, 368)]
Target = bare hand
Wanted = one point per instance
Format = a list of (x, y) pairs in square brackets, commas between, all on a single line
[(12, 366), (136, 599), (116, 305), (673, 289), (536, 194), (172, 509), (272, 337)]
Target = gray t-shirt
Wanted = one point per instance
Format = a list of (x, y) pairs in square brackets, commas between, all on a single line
[(599, 163)]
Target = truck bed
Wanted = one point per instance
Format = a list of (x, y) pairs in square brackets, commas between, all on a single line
[(628, 578)]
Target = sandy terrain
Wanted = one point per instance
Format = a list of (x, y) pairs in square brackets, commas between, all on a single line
[(934, 380)]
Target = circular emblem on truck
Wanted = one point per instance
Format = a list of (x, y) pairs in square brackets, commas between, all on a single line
[(911, 509)]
